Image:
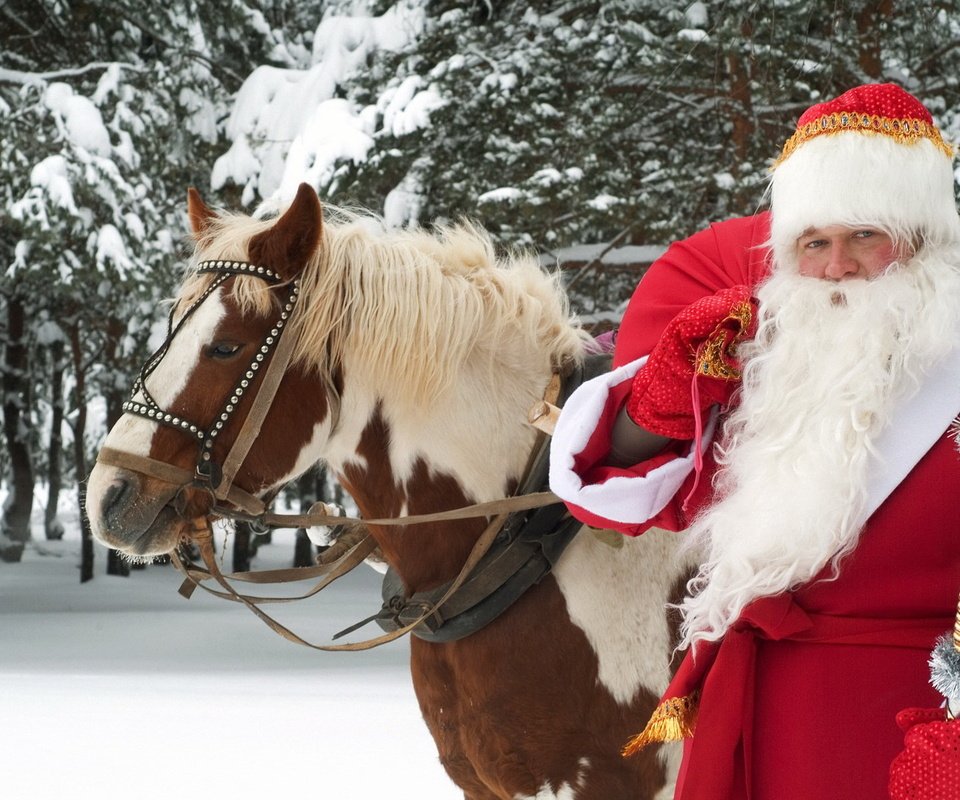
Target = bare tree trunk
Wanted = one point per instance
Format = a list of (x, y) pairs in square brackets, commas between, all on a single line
[(242, 551), (310, 487), (15, 527), (79, 456), (116, 564), (871, 35), (53, 528)]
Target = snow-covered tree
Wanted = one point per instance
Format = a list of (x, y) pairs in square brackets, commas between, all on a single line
[(553, 123), (109, 111)]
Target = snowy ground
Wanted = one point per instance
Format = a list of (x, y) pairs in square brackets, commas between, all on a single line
[(121, 688)]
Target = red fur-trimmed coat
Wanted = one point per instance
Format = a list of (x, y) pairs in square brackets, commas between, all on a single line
[(800, 698)]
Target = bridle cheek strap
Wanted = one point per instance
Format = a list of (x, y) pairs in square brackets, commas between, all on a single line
[(262, 401)]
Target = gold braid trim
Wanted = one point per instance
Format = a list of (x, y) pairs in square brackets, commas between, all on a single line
[(713, 360), (906, 131), (674, 719)]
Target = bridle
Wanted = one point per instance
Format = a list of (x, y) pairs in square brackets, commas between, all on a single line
[(209, 475)]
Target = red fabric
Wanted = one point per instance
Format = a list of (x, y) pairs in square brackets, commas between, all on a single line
[(668, 392), (885, 100), (929, 766), (590, 466), (724, 255), (792, 712), (799, 700)]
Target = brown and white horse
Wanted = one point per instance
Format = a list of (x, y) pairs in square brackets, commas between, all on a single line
[(436, 350)]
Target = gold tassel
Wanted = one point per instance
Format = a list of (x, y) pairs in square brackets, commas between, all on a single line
[(674, 719)]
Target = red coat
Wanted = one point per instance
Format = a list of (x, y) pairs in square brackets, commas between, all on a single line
[(800, 697)]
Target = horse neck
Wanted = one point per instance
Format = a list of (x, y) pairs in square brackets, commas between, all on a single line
[(471, 445)]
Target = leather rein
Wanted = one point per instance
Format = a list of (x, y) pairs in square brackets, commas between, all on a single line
[(230, 501)]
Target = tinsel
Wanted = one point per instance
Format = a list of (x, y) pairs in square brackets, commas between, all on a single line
[(945, 668), (674, 719)]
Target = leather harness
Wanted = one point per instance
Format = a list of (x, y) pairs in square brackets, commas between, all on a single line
[(520, 545)]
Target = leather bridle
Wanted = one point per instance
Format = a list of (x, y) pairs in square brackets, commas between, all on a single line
[(210, 475)]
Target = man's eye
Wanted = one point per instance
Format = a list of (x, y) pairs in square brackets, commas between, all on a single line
[(223, 350)]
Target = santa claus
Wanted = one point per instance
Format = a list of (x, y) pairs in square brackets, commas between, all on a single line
[(784, 390)]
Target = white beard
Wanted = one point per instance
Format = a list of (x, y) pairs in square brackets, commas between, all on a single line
[(828, 366)]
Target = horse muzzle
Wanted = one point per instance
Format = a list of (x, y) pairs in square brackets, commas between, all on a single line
[(140, 515)]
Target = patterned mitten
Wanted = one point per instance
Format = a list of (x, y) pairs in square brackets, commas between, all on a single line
[(928, 768), (694, 364)]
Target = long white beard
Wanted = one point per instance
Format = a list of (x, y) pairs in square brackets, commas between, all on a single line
[(829, 364)]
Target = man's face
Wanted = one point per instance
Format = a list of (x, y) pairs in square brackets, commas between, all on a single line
[(838, 253)]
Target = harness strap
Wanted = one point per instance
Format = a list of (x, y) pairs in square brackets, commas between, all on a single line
[(195, 575), (180, 477), (204, 540), (168, 473)]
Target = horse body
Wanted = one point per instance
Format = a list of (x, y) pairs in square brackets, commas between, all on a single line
[(429, 415)]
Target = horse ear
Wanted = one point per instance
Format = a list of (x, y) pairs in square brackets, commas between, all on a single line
[(288, 245), (200, 214)]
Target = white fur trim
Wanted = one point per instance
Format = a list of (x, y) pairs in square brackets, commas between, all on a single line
[(914, 429), (631, 501), (863, 179)]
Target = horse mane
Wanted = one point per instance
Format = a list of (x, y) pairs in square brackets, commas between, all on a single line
[(409, 305)]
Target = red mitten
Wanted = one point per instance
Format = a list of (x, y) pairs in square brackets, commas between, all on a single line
[(928, 768), (701, 340)]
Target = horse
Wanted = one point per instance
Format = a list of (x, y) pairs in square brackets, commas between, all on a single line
[(415, 357)]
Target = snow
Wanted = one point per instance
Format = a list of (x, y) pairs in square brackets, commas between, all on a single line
[(52, 175), (401, 206), (502, 195), (603, 202), (81, 119), (288, 126), (628, 254), (408, 107), (696, 15), (693, 35), (334, 132), (110, 247), (120, 686)]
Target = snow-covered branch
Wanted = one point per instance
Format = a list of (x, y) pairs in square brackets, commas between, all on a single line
[(25, 78)]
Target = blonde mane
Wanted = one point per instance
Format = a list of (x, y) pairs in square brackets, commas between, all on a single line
[(412, 306)]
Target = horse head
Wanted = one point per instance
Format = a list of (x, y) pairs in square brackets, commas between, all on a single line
[(196, 392)]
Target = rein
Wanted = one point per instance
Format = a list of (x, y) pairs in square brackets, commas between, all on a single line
[(320, 513)]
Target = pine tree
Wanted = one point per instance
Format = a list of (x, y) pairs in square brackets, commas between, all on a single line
[(109, 110)]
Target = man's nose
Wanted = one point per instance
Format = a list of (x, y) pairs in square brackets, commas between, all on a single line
[(840, 263)]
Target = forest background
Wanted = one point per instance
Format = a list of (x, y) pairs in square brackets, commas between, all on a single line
[(553, 124)]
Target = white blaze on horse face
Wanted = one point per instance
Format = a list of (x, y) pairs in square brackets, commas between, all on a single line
[(133, 433)]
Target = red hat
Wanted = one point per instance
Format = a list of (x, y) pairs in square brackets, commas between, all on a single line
[(871, 157)]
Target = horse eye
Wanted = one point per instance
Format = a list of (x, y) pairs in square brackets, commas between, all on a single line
[(223, 350)]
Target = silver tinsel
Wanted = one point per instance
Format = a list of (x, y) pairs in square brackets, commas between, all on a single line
[(945, 668)]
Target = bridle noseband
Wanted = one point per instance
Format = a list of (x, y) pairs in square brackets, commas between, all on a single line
[(217, 478)]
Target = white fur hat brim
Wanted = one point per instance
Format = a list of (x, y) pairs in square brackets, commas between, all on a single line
[(863, 179)]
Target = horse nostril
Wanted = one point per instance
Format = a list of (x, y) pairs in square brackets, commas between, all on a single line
[(116, 497)]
